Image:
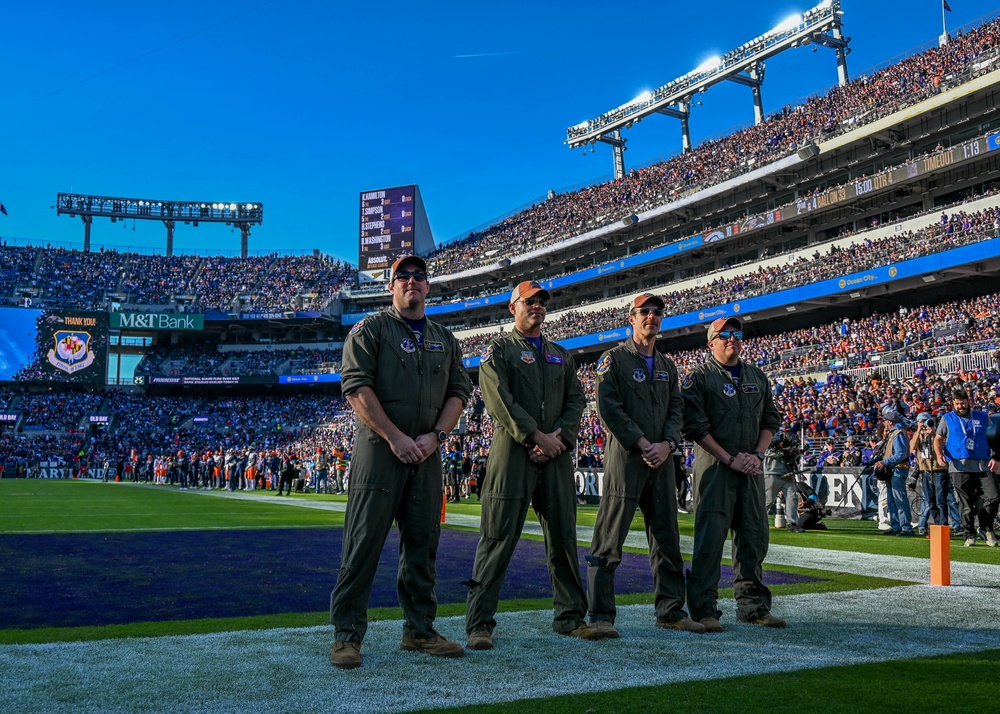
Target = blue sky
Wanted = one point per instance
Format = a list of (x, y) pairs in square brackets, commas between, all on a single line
[(303, 105)]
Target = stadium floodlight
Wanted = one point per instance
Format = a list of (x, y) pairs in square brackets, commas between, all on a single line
[(709, 64), (241, 215), (822, 25), (789, 23)]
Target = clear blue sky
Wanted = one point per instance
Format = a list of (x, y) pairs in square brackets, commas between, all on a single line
[(302, 105)]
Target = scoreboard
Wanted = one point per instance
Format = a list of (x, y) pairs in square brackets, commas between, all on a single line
[(387, 222)]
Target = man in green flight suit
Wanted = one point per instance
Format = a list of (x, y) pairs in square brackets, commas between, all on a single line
[(640, 404), (404, 377), (531, 390), (729, 414)]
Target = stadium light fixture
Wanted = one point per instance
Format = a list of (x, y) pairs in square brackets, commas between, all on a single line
[(744, 64), (789, 23), (117, 208), (709, 64)]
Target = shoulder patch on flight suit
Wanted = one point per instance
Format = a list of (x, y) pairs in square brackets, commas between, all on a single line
[(751, 389), (554, 359), (729, 390), (687, 381), (357, 328), (639, 374), (434, 346), (408, 345), (661, 376), (604, 364), (527, 356)]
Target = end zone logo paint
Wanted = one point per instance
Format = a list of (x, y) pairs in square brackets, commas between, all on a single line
[(72, 351)]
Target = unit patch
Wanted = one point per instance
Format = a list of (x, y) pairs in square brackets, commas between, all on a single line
[(408, 345), (357, 328), (487, 353), (729, 390), (604, 364), (639, 374), (687, 381), (527, 356)]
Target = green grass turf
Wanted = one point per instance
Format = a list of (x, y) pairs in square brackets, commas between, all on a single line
[(61, 506), (64, 506), (948, 683), (40, 506)]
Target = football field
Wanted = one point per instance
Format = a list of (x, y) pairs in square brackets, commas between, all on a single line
[(123, 598)]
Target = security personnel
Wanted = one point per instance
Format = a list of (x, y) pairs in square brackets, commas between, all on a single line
[(729, 414), (403, 375), (531, 390), (960, 444), (639, 402)]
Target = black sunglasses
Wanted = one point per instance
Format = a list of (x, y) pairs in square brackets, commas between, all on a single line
[(404, 275), (532, 301), (730, 334), (657, 311)]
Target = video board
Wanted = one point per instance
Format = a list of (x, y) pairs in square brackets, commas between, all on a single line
[(52, 345), (387, 221)]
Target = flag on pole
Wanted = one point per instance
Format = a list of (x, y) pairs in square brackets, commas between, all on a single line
[(2, 209), (945, 5)]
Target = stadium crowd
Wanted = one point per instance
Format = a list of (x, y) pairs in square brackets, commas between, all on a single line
[(949, 231), (205, 360), (96, 279), (814, 409), (841, 109)]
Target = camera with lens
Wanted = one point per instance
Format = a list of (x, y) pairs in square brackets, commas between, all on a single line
[(783, 447)]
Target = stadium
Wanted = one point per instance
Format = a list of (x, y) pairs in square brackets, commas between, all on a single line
[(149, 402)]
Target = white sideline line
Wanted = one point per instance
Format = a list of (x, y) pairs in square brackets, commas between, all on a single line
[(288, 669)]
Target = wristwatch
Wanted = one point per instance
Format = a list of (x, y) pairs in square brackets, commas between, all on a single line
[(672, 444), (441, 435), (759, 455)]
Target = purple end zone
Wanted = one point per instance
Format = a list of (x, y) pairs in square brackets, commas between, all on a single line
[(118, 578)]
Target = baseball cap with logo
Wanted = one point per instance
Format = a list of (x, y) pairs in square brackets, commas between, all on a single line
[(717, 326), (412, 259), (647, 298), (527, 289)]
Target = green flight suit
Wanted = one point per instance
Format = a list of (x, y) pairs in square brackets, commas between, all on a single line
[(633, 403), (412, 384), (525, 389), (724, 499)]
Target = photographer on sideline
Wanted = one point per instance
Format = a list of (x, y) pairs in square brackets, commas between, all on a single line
[(960, 444), (896, 455), (780, 463), (934, 479)]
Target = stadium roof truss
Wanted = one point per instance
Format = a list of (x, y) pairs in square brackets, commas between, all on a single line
[(242, 215), (821, 25)]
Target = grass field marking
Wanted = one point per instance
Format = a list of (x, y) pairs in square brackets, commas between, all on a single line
[(287, 669)]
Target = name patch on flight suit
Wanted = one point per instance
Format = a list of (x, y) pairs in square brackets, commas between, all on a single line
[(487, 353), (639, 374), (408, 345), (661, 376), (434, 346), (729, 390), (687, 381), (528, 357), (604, 364), (751, 389), (554, 359)]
